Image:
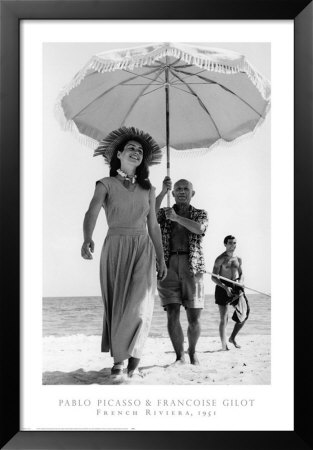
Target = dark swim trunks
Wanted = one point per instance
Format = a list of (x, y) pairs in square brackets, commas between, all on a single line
[(238, 300)]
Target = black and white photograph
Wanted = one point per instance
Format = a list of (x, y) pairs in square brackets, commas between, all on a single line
[(156, 213), (156, 184), (152, 227)]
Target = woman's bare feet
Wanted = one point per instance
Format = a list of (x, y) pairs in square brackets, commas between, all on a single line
[(132, 366), (117, 369), (136, 373)]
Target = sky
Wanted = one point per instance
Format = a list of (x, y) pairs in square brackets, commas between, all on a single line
[(232, 183)]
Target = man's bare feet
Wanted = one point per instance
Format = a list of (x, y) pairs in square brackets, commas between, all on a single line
[(193, 358), (179, 361), (232, 341)]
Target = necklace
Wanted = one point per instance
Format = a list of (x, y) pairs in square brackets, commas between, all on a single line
[(127, 178)]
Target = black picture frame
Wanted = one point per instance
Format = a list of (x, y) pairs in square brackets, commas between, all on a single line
[(12, 12)]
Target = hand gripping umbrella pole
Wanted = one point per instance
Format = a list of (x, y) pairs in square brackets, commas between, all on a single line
[(237, 284)]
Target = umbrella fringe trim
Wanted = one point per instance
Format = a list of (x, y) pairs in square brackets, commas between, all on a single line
[(82, 138), (60, 116), (101, 66), (69, 125), (182, 153), (198, 151)]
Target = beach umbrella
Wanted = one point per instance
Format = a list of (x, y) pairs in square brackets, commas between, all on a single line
[(185, 96)]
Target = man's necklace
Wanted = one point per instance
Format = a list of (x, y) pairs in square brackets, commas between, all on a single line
[(127, 178)]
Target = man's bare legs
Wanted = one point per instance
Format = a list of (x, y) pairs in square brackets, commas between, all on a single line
[(175, 330), (236, 330), (193, 333), (223, 323)]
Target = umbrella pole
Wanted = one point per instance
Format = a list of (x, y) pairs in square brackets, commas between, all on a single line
[(167, 130), (236, 284)]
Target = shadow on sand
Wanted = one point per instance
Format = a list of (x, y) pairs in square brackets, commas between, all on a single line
[(78, 377)]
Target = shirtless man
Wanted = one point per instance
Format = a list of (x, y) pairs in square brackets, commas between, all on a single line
[(229, 265), (183, 228)]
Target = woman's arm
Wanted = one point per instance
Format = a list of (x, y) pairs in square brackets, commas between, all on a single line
[(91, 219), (155, 235)]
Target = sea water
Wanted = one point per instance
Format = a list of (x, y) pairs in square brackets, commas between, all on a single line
[(66, 316)]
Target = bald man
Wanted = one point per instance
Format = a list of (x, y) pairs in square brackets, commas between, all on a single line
[(183, 228)]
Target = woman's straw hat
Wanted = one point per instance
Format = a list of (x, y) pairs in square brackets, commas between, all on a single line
[(152, 153)]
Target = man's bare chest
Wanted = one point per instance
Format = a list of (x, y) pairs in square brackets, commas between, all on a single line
[(230, 262)]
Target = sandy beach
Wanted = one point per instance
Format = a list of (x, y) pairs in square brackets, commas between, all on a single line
[(77, 359)]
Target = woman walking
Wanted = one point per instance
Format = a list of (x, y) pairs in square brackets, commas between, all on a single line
[(132, 247)]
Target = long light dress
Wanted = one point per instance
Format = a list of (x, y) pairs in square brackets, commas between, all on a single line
[(127, 271)]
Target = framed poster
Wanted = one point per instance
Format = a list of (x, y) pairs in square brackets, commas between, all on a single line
[(227, 401)]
